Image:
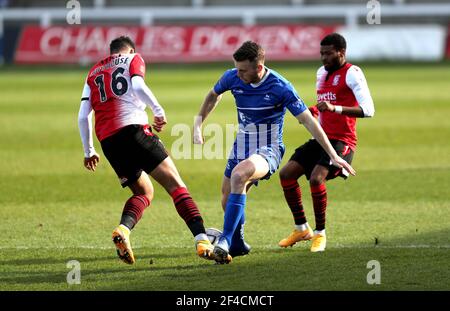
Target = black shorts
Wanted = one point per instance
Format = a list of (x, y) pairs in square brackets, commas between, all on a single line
[(131, 150), (311, 154)]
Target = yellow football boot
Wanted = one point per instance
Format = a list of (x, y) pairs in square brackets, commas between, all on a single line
[(297, 236), (204, 249), (121, 239), (319, 242)]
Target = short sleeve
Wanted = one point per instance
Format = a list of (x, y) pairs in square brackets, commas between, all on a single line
[(137, 66), (293, 102), (223, 84)]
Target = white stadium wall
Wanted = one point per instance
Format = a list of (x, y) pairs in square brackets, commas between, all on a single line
[(406, 42)]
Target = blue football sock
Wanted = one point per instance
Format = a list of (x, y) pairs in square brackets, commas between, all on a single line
[(233, 214), (238, 236)]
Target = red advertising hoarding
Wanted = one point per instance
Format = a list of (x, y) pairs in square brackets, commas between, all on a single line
[(173, 44), (447, 53)]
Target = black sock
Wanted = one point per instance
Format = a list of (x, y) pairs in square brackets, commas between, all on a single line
[(196, 226), (128, 220)]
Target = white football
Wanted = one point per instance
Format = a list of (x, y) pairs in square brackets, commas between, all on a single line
[(213, 235)]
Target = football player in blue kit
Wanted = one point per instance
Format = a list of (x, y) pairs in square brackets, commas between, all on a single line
[(262, 96)]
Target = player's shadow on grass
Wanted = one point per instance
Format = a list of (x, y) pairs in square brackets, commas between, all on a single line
[(53, 260), (82, 256), (90, 275), (39, 277)]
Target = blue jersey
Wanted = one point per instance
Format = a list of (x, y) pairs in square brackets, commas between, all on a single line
[(261, 108)]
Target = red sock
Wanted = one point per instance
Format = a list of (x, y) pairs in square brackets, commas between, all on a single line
[(319, 198), (187, 209), (133, 210), (293, 196)]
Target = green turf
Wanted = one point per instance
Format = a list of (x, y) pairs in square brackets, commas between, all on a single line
[(53, 211)]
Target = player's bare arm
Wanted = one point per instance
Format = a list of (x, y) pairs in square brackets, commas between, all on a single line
[(355, 112), (210, 102), (317, 132)]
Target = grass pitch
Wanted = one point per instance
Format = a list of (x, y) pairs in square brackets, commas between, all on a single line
[(53, 210)]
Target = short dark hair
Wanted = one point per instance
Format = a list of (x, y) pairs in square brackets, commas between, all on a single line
[(335, 40), (120, 43), (249, 50)]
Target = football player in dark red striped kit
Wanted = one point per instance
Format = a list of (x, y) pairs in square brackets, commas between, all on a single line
[(342, 96), (115, 90)]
